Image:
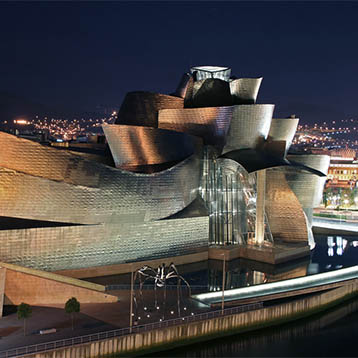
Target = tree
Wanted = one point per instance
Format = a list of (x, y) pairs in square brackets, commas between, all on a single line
[(24, 311), (72, 306)]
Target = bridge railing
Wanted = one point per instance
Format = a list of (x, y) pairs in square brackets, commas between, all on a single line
[(69, 342)]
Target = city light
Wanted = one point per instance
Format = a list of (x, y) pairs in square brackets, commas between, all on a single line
[(21, 121)]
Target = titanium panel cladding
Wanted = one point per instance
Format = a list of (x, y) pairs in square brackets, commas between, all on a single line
[(74, 247), (184, 85), (32, 158), (285, 215), (141, 108), (283, 129), (318, 162), (211, 92), (204, 72), (249, 126), (211, 123), (308, 187), (114, 195), (132, 146), (245, 90)]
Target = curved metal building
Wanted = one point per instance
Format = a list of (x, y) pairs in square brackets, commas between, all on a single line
[(250, 126), (114, 195), (283, 129), (307, 187), (210, 124), (72, 211), (284, 212), (245, 90), (141, 108), (211, 92), (133, 147), (184, 86)]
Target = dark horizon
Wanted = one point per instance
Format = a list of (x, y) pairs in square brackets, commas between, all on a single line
[(75, 56)]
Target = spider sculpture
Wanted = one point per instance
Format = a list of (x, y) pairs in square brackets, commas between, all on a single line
[(160, 276)]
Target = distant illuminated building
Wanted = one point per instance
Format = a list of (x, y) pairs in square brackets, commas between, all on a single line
[(343, 169)]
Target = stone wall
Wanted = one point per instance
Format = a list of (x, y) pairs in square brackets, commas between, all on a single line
[(202, 330), (34, 287)]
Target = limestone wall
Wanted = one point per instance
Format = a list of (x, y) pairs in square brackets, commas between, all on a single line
[(35, 287)]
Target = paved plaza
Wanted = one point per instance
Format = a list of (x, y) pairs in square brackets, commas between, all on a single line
[(94, 318)]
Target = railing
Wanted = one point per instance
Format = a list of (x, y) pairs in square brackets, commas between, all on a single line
[(69, 342), (151, 287)]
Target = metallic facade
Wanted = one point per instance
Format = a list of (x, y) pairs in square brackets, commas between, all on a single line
[(283, 209), (307, 187), (245, 90), (141, 108), (250, 126), (120, 197), (80, 191), (211, 92), (168, 151), (185, 84), (283, 129), (133, 146), (73, 247), (211, 124)]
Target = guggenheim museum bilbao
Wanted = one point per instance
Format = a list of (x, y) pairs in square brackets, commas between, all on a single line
[(202, 167)]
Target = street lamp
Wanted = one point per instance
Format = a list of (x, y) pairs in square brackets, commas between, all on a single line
[(131, 302)]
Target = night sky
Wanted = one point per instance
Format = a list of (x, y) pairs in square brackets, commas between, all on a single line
[(79, 55)]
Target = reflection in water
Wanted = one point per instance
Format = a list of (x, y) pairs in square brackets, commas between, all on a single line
[(242, 273), (320, 335), (327, 335), (330, 253)]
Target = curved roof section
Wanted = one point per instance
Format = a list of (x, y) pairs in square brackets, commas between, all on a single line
[(35, 159), (249, 126), (307, 187), (210, 123), (141, 108), (254, 159), (134, 146), (42, 183), (204, 72), (245, 90), (283, 129), (315, 161)]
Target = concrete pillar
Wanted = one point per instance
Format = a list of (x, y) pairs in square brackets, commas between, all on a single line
[(260, 207), (2, 288)]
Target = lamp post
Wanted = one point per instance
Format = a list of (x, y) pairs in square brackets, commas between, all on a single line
[(223, 293), (131, 303)]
